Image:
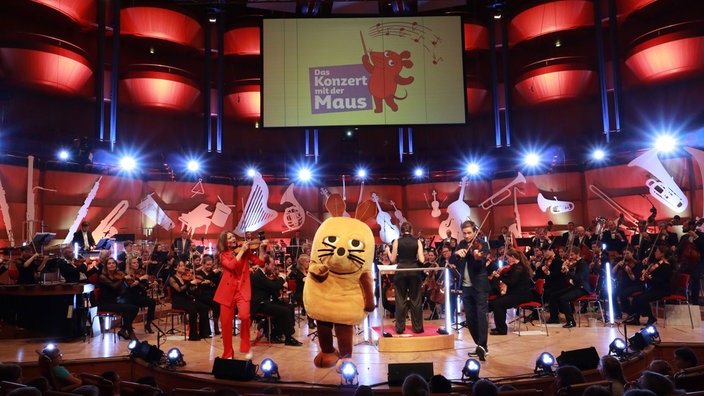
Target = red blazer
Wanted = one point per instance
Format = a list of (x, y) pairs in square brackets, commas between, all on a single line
[(235, 278)]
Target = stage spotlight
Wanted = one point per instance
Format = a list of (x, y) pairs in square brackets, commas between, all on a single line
[(362, 173), (418, 172), (653, 333), (175, 358), (132, 346), (304, 174), (665, 143), (49, 347), (473, 168), (531, 159), (598, 154), (618, 348), (128, 163), (349, 373), (193, 166), (270, 370), (646, 336), (63, 155), (543, 365), (470, 371)]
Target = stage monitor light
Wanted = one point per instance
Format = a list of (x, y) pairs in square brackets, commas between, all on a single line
[(470, 371), (349, 373), (132, 346), (473, 168), (653, 333), (618, 348), (49, 347), (270, 370), (544, 363), (175, 358), (63, 155)]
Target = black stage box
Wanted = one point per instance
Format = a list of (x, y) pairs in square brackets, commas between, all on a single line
[(584, 359), (399, 371), (238, 370)]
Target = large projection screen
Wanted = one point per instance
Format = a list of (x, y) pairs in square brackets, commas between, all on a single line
[(363, 71)]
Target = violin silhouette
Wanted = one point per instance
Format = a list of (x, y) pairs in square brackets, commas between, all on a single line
[(398, 214), (388, 231), (436, 205)]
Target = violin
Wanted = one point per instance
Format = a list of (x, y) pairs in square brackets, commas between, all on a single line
[(119, 275), (648, 272), (252, 244)]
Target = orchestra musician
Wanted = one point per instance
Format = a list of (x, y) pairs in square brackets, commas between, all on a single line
[(209, 278), (137, 293), (29, 265), (550, 269), (84, 238), (234, 290), (266, 289), (473, 277), (299, 274), (183, 285), (449, 240), (407, 251), (74, 270), (569, 235), (626, 274), (506, 239), (614, 238), (690, 254), (433, 283), (445, 261), (110, 297), (657, 277), (182, 245), (128, 252), (576, 271), (516, 277)]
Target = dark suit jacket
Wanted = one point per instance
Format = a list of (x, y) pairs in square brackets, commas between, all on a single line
[(264, 290), (78, 239), (476, 268)]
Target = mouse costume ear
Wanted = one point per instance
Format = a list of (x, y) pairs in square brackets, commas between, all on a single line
[(335, 205), (366, 210)]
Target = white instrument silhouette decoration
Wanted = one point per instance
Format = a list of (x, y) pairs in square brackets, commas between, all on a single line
[(502, 194), (398, 214), (256, 213), (293, 215), (150, 208), (435, 205), (698, 156), (105, 228), (5, 208), (555, 206), (30, 220), (457, 212), (662, 186), (198, 188), (196, 218), (515, 228), (326, 193), (222, 213), (388, 231), (627, 214), (82, 212)]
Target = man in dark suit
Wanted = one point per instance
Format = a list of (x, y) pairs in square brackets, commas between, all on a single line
[(266, 287), (84, 238), (475, 286), (182, 245)]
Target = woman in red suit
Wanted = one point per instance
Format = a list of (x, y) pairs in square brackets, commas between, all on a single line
[(234, 290)]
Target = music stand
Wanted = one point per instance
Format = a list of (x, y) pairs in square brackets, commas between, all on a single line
[(124, 237), (104, 244), (42, 239)]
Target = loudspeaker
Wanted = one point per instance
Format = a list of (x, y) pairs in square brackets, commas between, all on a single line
[(584, 359), (150, 353), (399, 371), (238, 370)]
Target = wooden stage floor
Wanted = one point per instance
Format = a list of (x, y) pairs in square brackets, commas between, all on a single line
[(510, 355)]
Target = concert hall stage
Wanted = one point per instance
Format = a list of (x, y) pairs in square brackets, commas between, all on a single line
[(510, 356)]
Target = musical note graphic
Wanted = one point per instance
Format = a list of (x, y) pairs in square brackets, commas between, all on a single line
[(412, 31)]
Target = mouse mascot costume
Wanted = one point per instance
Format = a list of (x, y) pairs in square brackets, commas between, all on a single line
[(339, 291)]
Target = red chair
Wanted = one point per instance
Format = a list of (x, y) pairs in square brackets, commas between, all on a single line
[(104, 317), (533, 306), (590, 300), (178, 313), (681, 288)]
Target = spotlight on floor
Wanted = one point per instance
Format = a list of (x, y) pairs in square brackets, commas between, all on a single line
[(270, 370), (646, 336), (618, 348), (132, 347), (175, 358), (543, 365), (349, 374), (470, 371)]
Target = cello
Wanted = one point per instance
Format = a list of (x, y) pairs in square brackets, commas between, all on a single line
[(458, 212), (388, 231)]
